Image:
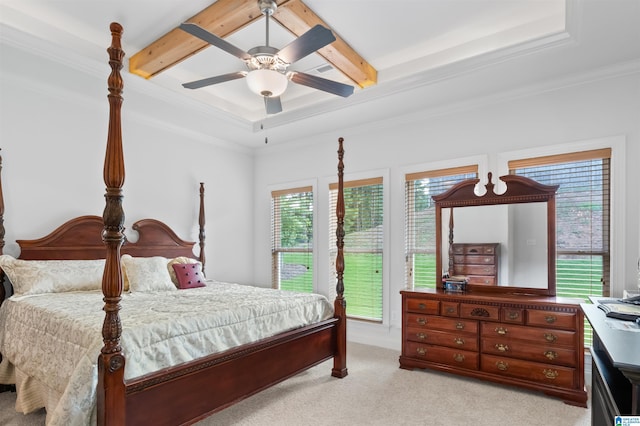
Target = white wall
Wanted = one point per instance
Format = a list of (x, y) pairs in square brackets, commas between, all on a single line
[(53, 132), (585, 115)]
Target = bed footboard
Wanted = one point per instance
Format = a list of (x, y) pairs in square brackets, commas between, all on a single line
[(188, 393)]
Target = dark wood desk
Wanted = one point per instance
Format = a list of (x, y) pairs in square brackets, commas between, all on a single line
[(615, 370)]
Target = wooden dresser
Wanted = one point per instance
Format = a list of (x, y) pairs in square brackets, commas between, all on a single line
[(478, 262), (535, 342)]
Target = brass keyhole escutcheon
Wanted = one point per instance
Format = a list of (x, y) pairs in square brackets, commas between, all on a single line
[(501, 331), (421, 336), (421, 321), (513, 315), (459, 341), (422, 306), (550, 374), (450, 310), (549, 337), (421, 351), (550, 319), (459, 326)]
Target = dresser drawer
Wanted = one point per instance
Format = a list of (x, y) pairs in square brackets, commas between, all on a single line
[(475, 260), (425, 306), (464, 341), (481, 280), (530, 352), (442, 355), (542, 373), (450, 309), (535, 335), (474, 248), (474, 269), (512, 315), (442, 323), (485, 312), (565, 320)]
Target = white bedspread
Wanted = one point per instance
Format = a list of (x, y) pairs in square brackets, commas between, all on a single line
[(56, 338)]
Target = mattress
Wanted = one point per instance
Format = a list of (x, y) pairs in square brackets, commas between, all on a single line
[(54, 339)]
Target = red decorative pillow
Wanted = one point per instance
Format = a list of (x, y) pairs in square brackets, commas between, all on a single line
[(189, 275)]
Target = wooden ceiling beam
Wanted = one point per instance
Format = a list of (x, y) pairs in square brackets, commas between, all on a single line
[(298, 18), (224, 17)]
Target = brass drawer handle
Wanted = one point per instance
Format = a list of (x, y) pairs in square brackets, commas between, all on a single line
[(550, 374), (501, 331), (421, 336), (550, 319), (458, 357), (422, 306), (451, 310), (459, 325), (421, 321), (502, 366), (513, 315), (459, 341), (550, 337), (501, 347), (551, 355), (421, 351)]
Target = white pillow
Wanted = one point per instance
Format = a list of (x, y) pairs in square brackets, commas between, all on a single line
[(147, 273), (52, 276)]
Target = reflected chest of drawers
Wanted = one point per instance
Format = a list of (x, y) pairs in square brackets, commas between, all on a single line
[(478, 262), (528, 341)]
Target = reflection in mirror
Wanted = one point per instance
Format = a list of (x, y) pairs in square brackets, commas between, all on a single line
[(502, 243), (519, 230)]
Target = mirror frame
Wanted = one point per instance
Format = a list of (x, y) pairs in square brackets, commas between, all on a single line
[(520, 189)]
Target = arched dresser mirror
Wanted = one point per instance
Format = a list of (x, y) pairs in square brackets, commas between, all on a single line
[(517, 228), (507, 326)]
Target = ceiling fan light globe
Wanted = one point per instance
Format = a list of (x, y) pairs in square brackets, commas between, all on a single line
[(265, 82)]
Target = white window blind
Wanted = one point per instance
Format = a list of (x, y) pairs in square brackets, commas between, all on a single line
[(292, 239), (582, 219), (420, 222), (363, 246)]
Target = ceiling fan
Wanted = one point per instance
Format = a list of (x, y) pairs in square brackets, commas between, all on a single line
[(267, 73)]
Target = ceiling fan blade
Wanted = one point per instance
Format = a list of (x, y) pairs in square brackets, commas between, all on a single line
[(214, 80), (273, 105), (214, 40), (314, 39), (323, 84)]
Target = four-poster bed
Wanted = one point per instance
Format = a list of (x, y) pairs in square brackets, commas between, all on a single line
[(179, 392)]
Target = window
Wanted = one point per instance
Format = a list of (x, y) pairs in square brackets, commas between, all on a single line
[(363, 242), (582, 219), (420, 221), (292, 239)]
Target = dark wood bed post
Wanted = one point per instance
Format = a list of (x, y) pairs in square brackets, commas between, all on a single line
[(201, 235), (111, 387), (340, 305)]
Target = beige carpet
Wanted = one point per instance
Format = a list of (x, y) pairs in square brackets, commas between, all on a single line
[(377, 392)]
